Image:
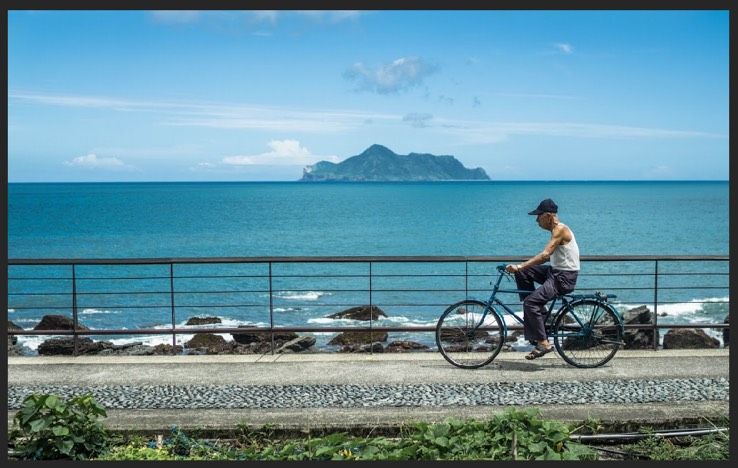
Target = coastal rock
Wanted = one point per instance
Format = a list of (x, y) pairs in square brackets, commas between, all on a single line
[(457, 336), (206, 340), (202, 320), (639, 339), (129, 349), (58, 322), (349, 338), (365, 348), (248, 337), (360, 313), (513, 337), (404, 346), (11, 326), (65, 346), (298, 344), (726, 332), (689, 338), (166, 349)]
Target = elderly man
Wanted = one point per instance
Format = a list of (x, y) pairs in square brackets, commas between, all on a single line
[(559, 277)]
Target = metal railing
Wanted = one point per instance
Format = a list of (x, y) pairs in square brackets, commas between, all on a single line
[(369, 283)]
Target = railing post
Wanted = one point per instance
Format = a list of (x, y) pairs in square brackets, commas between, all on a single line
[(74, 310), (656, 305), (171, 299), (466, 279), (271, 309), (371, 322)]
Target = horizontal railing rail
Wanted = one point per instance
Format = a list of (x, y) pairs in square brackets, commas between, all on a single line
[(70, 286)]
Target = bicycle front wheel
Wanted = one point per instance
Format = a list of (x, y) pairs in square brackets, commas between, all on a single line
[(469, 334), (587, 333)]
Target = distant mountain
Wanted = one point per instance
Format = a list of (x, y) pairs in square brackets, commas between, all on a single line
[(379, 163)]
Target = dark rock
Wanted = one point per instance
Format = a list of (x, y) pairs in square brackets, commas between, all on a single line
[(205, 340), (348, 338), (726, 332), (360, 313), (456, 336), (512, 337), (65, 346), (58, 322), (202, 320), (248, 337), (298, 344), (639, 338), (13, 338), (362, 348), (130, 349), (689, 338), (164, 349), (404, 346)]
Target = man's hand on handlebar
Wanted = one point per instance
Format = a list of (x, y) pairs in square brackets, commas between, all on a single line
[(512, 268)]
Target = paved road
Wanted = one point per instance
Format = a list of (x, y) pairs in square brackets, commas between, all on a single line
[(380, 390)]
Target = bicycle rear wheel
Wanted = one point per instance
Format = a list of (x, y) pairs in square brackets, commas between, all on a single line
[(587, 333), (469, 334)]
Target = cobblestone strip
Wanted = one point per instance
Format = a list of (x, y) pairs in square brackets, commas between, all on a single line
[(316, 396)]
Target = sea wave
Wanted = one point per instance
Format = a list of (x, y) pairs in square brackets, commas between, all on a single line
[(98, 311), (302, 295), (681, 309)]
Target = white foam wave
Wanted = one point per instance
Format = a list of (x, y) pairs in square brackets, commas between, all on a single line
[(97, 311), (287, 309), (691, 307), (10, 311), (302, 295)]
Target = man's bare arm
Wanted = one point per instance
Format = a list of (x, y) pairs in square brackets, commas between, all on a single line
[(557, 237)]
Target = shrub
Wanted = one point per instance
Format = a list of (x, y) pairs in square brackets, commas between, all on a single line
[(46, 427)]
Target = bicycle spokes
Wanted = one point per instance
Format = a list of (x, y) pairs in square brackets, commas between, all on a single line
[(587, 333), (469, 334)]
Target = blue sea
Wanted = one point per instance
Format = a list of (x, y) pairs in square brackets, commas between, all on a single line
[(169, 220)]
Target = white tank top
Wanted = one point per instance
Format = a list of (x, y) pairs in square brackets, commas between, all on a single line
[(566, 256)]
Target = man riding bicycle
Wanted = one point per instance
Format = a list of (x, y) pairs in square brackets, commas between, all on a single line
[(560, 277)]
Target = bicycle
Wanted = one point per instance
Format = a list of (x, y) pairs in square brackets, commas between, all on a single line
[(586, 330)]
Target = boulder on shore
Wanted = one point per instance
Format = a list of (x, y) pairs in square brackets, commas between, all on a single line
[(300, 343), (58, 322), (404, 346), (248, 337), (639, 338), (360, 313), (205, 340), (350, 338), (689, 338), (65, 346), (202, 320), (362, 348)]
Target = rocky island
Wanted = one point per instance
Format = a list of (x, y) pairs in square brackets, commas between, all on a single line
[(380, 164)]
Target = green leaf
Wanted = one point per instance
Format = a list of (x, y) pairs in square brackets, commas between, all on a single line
[(60, 430), (52, 401), (442, 441)]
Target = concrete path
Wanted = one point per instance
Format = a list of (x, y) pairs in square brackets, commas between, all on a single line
[(411, 370)]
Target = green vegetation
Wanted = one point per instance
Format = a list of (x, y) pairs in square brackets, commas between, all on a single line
[(515, 435), (47, 427), (709, 447)]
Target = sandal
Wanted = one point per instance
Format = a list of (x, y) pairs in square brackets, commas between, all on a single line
[(538, 352)]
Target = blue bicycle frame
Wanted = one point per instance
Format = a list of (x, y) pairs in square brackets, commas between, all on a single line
[(566, 300)]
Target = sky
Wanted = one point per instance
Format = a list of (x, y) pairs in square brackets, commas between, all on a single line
[(259, 95)]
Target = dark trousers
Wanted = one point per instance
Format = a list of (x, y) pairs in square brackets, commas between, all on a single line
[(553, 282)]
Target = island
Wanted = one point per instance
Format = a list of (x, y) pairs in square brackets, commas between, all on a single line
[(380, 164)]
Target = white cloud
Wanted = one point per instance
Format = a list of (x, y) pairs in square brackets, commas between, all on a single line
[(91, 161), (400, 75), (417, 120), (283, 153), (565, 48)]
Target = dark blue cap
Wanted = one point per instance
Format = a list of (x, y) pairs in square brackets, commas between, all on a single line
[(546, 206)]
